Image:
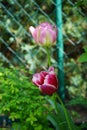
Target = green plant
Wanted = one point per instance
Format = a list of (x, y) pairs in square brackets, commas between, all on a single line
[(19, 99), (60, 118)]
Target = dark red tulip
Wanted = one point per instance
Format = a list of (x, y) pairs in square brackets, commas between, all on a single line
[(46, 81)]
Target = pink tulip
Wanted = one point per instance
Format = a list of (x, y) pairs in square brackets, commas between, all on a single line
[(44, 34), (46, 81)]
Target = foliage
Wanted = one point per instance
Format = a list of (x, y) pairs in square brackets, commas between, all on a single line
[(76, 84), (19, 99), (78, 101), (60, 118)]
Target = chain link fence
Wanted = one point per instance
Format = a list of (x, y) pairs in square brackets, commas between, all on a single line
[(17, 47), (15, 39), (16, 16)]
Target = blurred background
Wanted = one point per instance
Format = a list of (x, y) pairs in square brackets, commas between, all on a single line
[(18, 49)]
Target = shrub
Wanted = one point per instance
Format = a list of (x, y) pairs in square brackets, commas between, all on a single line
[(19, 99)]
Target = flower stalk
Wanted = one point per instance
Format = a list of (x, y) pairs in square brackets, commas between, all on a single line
[(48, 56)]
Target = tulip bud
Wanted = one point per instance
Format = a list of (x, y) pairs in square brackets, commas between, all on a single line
[(44, 34)]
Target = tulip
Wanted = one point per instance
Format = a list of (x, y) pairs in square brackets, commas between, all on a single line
[(46, 81), (44, 34)]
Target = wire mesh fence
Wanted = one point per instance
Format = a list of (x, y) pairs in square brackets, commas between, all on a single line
[(18, 19), (17, 16)]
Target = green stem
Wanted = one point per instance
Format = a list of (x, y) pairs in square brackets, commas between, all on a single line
[(48, 55), (67, 119)]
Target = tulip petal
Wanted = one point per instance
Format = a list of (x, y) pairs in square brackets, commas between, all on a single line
[(47, 89), (46, 24), (43, 74), (42, 38), (52, 35), (51, 68), (51, 79), (37, 79), (32, 30)]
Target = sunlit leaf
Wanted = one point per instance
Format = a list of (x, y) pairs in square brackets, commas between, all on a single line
[(83, 58)]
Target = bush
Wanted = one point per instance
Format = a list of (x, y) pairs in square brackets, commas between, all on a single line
[(19, 99)]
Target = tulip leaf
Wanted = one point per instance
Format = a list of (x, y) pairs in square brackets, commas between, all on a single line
[(52, 119), (58, 120)]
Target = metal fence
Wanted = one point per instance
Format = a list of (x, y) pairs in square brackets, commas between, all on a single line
[(16, 44), (16, 17)]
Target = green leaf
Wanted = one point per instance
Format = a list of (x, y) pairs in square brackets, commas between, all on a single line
[(59, 119), (54, 122), (83, 57)]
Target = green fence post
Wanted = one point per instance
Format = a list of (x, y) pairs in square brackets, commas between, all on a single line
[(60, 47)]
